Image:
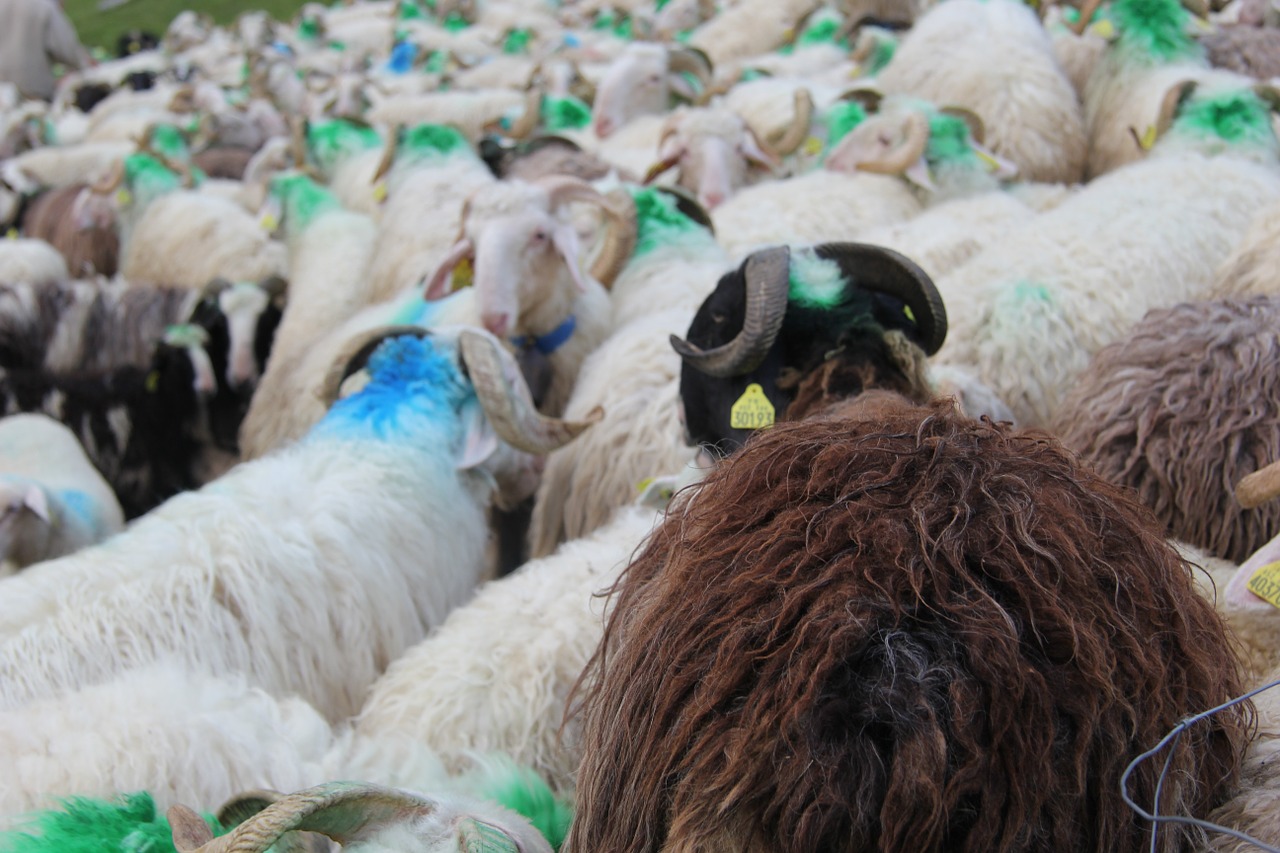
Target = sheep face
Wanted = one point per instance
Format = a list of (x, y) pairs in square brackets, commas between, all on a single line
[(26, 525), (713, 150), (636, 84)]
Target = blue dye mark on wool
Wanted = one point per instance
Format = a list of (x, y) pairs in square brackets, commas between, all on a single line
[(80, 505), (413, 389)]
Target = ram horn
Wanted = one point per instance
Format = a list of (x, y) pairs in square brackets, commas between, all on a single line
[(274, 286), (506, 399), (869, 98), (1086, 15), (523, 127), (110, 182), (768, 282), (1174, 97), (795, 135), (915, 128), (355, 354), (977, 128), (886, 271), (619, 209), (215, 287), (1259, 487), (687, 204), (692, 60), (341, 810), (388, 155)]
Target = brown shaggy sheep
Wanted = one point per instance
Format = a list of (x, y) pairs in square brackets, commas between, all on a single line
[(894, 628), (1180, 410), (91, 250)]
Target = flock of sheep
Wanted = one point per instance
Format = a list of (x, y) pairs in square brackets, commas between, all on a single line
[(893, 362)]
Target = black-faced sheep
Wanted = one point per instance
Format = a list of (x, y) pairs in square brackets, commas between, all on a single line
[(892, 627), (1179, 410)]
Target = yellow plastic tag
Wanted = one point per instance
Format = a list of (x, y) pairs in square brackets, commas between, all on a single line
[(380, 192), (812, 145), (463, 274), (269, 222), (911, 315), (988, 159), (1148, 138), (1103, 29), (643, 484), (753, 409), (789, 34), (153, 382), (1265, 583), (123, 197), (12, 234)]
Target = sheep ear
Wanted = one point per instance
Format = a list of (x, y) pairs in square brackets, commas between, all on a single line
[(475, 836), (190, 832), (565, 239), (36, 501), (479, 441)]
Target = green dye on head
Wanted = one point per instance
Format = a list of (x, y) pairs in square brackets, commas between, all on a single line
[(410, 11), (881, 54), (332, 142), (427, 141), (309, 29), (517, 41), (455, 22), (148, 178), (948, 140), (565, 113), (1155, 30), (302, 200), (624, 28), (170, 142), (822, 29), (1239, 117), (842, 118), (1023, 292), (605, 20), (83, 825), (815, 282), (522, 791), (436, 62), (658, 220)]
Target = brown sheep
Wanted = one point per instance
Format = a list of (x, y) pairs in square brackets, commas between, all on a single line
[(1251, 51), (89, 248), (894, 628), (1182, 408)]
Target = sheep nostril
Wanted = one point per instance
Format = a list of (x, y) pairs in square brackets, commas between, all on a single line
[(496, 323)]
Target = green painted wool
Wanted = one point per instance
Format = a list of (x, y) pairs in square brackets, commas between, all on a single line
[(436, 62), (517, 41), (170, 142), (331, 142), (1154, 30), (455, 22), (815, 282), (1238, 117), (842, 118), (948, 139), (427, 140), (567, 113), (303, 200), (605, 20), (148, 178), (524, 792), (410, 11), (658, 219), (881, 55), (823, 31), (84, 825), (1027, 291)]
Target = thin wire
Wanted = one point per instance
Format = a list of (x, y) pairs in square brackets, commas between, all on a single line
[(1176, 735)]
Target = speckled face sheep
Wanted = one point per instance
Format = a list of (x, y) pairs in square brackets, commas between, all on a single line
[(791, 330), (892, 627)]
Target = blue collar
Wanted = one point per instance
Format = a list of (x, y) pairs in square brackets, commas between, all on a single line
[(551, 341)]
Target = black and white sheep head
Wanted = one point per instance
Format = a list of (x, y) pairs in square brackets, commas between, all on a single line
[(366, 818), (642, 81), (783, 314), (524, 249), (240, 321), (504, 438)]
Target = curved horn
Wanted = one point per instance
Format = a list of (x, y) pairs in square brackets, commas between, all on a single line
[(798, 132), (215, 287), (886, 271), (977, 129), (507, 401), (1174, 97), (618, 208), (274, 286), (298, 141), (1259, 487), (340, 810), (692, 60), (869, 98), (353, 355), (388, 155), (528, 121), (689, 206), (915, 128), (768, 282), (1086, 15), (110, 182)]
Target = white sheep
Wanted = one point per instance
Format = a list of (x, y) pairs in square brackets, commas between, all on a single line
[(305, 570), (750, 28), (52, 500), (30, 261)]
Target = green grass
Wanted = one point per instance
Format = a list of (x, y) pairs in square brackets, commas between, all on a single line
[(101, 29)]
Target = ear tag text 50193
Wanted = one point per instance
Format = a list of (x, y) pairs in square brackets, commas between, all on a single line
[(753, 409)]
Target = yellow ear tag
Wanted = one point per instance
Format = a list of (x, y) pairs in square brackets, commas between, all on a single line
[(12, 234), (269, 222), (643, 484), (789, 34), (911, 315), (812, 145), (123, 197), (153, 382), (753, 409), (380, 192), (855, 70), (463, 274), (1265, 583), (1103, 29), (988, 159), (1149, 138)]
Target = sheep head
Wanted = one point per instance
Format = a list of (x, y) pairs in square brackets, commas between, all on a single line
[(642, 81), (365, 817), (714, 149), (812, 326), (525, 252)]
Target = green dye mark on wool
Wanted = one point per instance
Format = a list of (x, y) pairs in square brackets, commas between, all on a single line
[(815, 282), (148, 178), (822, 30), (410, 11), (660, 3), (881, 55), (331, 142), (605, 20), (567, 113), (1154, 29), (309, 29), (658, 219), (525, 793), (429, 140), (302, 200), (1238, 117), (436, 62), (842, 118), (85, 825), (948, 140), (1026, 291), (170, 142), (455, 22), (517, 41)]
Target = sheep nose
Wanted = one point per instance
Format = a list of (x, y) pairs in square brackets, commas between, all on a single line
[(711, 199), (604, 126), (496, 323)]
